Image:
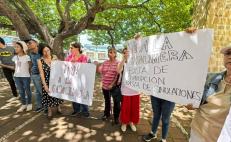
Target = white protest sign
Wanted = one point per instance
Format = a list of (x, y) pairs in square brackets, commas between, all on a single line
[(72, 81), (170, 66), (225, 135)]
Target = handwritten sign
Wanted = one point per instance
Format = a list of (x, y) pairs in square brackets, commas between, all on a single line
[(225, 135), (72, 81), (170, 66)]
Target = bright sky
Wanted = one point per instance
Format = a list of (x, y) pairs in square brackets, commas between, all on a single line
[(84, 39)]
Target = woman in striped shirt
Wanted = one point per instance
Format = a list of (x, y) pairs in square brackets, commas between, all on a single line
[(109, 77)]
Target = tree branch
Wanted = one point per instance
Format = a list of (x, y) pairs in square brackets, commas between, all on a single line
[(124, 6), (67, 9), (86, 21), (59, 9), (65, 16), (2, 14), (152, 14), (16, 20), (112, 38), (43, 30), (99, 27), (11, 27), (86, 3)]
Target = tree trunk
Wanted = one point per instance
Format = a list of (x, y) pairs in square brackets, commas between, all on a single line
[(57, 48), (15, 19)]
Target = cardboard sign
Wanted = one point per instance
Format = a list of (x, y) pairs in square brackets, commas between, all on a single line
[(170, 66), (72, 81)]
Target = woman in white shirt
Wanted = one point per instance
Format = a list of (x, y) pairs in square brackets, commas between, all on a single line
[(22, 76)]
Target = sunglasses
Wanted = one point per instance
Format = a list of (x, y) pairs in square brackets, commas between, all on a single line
[(227, 53)]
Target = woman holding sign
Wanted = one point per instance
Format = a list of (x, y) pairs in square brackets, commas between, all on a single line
[(130, 106), (77, 56), (44, 65)]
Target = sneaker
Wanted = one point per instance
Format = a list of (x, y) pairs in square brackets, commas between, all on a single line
[(86, 115), (133, 127), (39, 109), (116, 121), (74, 113), (163, 140), (123, 127), (29, 107), (22, 108), (104, 117), (149, 137)]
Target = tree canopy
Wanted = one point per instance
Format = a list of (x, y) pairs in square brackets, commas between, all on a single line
[(106, 21)]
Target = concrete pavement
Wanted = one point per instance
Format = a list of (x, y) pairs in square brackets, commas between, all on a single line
[(32, 126)]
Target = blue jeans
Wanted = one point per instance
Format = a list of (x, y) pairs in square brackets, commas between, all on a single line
[(23, 86), (161, 108), (80, 108), (38, 90)]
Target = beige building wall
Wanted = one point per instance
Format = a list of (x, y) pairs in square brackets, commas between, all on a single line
[(215, 14)]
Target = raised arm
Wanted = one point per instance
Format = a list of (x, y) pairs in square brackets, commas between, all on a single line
[(120, 66), (124, 60)]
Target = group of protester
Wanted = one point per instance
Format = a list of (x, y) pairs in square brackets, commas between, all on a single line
[(20, 67), (127, 108)]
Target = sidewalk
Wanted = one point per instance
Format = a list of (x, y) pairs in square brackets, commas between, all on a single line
[(31, 126)]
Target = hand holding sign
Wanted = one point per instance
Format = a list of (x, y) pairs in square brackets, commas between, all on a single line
[(170, 66), (190, 30), (46, 88)]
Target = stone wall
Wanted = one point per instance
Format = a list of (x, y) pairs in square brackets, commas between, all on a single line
[(215, 14)]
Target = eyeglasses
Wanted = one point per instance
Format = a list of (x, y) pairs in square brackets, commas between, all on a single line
[(227, 53)]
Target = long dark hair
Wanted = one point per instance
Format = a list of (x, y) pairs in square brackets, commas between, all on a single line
[(41, 47), (124, 49), (19, 45), (77, 45)]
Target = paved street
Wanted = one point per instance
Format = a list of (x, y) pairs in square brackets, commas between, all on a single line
[(32, 126)]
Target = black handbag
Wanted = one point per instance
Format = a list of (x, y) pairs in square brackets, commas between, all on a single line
[(115, 90)]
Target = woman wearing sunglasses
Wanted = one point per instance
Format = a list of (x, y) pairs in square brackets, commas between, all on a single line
[(109, 80)]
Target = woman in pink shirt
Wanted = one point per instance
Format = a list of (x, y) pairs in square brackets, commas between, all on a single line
[(109, 77), (77, 56)]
